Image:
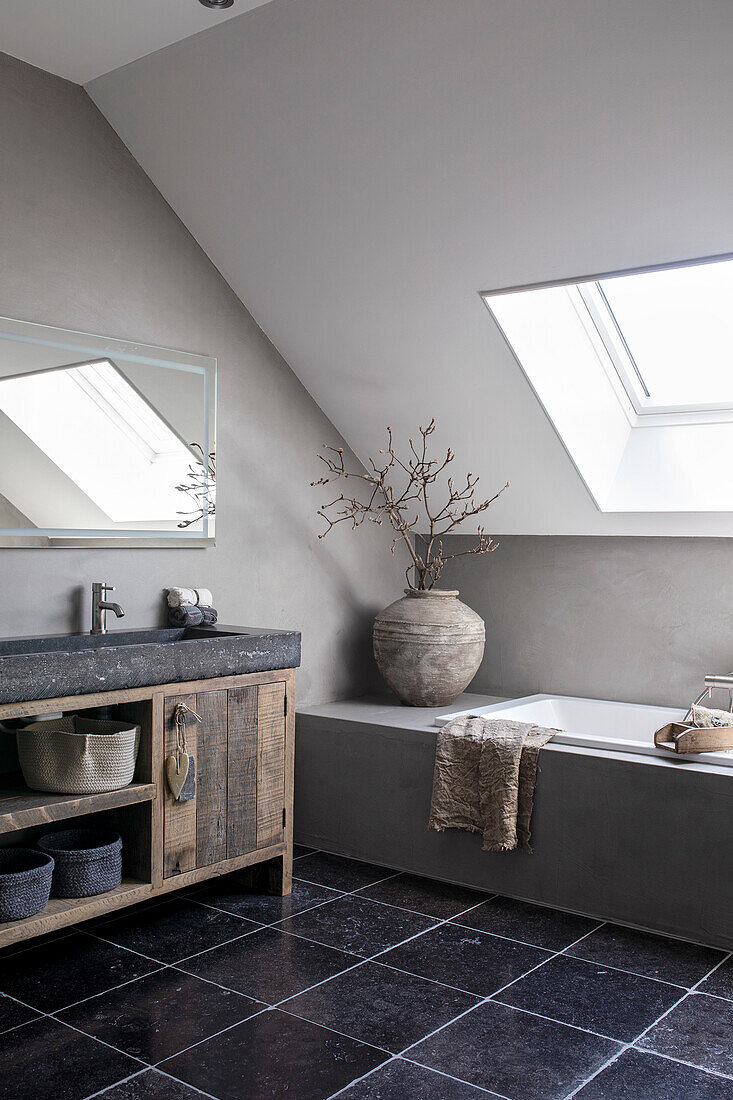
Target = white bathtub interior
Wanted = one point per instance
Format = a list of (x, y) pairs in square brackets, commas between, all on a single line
[(596, 723)]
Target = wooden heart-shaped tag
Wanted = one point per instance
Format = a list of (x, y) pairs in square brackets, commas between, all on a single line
[(176, 771)]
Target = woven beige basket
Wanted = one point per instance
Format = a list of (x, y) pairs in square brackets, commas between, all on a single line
[(77, 755)]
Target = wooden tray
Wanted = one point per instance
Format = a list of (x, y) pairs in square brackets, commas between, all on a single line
[(680, 737)]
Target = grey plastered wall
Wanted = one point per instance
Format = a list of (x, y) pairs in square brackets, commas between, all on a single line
[(643, 844), (637, 619), (88, 243)]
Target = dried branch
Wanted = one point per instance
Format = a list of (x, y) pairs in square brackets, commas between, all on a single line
[(407, 506), (200, 487)]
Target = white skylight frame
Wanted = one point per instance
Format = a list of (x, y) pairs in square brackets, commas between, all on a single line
[(632, 453)]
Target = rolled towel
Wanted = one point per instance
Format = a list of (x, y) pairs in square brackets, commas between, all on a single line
[(196, 596), (190, 615), (186, 614)]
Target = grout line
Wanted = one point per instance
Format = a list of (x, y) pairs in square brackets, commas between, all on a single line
[(554, 1020), (112, 988), (123, 1081), (270, 924), (632, 1044), (428, 1069), (335, 1031), (199, 1092), (324, 886), (681, 1062), (460, 1080), (487, 999), (229, 1027), (103, 1042)]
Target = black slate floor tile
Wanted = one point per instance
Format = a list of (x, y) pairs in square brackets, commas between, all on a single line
[(151, 1085), (160, 1015), (357, 924), (338, 872), (550, 928), (302, 850), (67, 970), (700, 1030), (592, 996), (472, 961), (652, 956), (636, 1076), (381, 1006), (174, 930), (269, 965), (53, 1062), (274, 1055), (424, 895), (225, 893), (12, 1014), (400, 1080), (720, 982), (515, 1054)]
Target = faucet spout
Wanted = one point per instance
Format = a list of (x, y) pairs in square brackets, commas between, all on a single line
[(104, 606), (100, 607)]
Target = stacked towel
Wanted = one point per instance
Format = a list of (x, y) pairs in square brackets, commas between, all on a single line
[(191, 607), (188, 614), (199, 597)]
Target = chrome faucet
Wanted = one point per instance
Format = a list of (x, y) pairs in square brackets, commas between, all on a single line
[(100, 607)]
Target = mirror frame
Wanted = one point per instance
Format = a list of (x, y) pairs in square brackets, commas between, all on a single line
[(87, 344)]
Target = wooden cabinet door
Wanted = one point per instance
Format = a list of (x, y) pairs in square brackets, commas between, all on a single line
[(239, 754)]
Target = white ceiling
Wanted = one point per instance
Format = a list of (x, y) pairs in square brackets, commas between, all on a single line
[(82, 39), (360, 169)]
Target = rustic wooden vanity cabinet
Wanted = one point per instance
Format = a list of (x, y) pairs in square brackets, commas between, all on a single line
[(242, 812)]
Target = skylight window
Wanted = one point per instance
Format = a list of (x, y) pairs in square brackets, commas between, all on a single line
[(678, 327), (635, 371), (102, 433)]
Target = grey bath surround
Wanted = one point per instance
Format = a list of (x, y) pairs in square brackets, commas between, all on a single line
[(636, 840), (75, 664)]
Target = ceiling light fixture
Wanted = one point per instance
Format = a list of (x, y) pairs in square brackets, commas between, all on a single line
[(217, 3)]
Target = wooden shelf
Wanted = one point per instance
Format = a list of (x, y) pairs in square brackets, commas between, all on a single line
[(61, 912), (19, 809)]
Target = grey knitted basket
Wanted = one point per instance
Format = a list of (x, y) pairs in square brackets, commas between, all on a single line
[(77, 755), (25, 882), (88, 861)]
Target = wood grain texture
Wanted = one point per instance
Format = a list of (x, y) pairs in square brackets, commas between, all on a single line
[(157, 767), (286, 884), (270, 763), (242, 777), (22, 809), (61, 912), (201, 874), (211, 778), (166, 842), (179, 818)]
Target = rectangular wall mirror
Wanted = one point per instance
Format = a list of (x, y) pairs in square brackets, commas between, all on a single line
[(104, 442)]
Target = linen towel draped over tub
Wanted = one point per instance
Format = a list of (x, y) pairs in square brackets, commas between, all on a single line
[(484, 779)]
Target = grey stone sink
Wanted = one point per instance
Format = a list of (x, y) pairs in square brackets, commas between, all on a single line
[(77, 664)]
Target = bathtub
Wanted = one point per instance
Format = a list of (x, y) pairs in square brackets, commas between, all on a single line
[(620, 831), (596, 724)]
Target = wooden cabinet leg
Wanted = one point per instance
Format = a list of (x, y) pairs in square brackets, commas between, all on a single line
[(273, 877)]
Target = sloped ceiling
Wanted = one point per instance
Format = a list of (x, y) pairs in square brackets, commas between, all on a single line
[(82, 39), (360, 169)]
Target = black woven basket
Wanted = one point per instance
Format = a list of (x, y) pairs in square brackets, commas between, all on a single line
[(88, 861), (25, 882)]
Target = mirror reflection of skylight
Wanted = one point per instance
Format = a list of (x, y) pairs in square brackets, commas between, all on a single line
[(678, 327), (104, 436)]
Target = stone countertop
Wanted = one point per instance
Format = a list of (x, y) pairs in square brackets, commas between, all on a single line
[(59, 666)]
